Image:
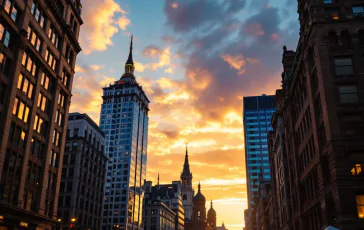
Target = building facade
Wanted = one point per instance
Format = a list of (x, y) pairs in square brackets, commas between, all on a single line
[(38, 48), (258, 111), (81, 192), (187, 189), (158, 216), (168, 195), (124, 120), (321, 109)]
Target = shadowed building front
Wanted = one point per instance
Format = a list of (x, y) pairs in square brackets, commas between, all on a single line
[(38, 49)]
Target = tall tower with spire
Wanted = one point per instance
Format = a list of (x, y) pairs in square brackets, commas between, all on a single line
[(187, 190), (124, 120)]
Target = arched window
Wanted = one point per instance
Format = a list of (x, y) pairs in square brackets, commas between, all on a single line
[(184, 197)]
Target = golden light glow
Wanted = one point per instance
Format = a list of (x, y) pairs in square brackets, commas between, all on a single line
[(73, 219), (59, 219), (174, 5)]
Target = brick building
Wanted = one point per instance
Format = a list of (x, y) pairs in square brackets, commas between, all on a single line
[(38, 48), (81, 192), (321, 106)]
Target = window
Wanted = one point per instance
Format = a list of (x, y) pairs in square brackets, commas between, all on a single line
[(65, 77), (360, 205), (38, 124), (333, 13), (348, 94), (25, 86), (4, 35), (45, 81), (327, 1), (34, 39), (357, 169), (42, 102), (61, 99), (21, 110), (11, 9), (50, 58), (59, 117), (343, 66), (53, 36), (29, 64), (358, 11), (38, 14)]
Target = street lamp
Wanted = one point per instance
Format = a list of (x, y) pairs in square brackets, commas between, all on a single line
[(59, 219), (73, 219)]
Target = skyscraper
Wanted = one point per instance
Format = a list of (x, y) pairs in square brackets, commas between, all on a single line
[(124, 120), (258, 112), (38, 48)]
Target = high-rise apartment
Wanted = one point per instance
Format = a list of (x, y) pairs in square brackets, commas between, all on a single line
[(38, 48), (258, 111), (124, 120), (81, 192)]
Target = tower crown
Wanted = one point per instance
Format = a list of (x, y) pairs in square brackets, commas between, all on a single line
[(129, 65), (186, 167)]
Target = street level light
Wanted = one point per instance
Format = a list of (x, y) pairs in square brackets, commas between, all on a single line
[(73, 219)]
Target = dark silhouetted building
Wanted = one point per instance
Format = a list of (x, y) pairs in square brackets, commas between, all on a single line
[(319, 171), (81, 193), (167, 198), (211, 217), (199, 219), (38, 48), (187, 189)]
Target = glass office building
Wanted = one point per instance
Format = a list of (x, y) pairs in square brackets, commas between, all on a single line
[(124, 120), (258, 111)]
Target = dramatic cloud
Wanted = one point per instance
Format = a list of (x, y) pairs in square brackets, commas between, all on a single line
[(213, 53), (101, 24)]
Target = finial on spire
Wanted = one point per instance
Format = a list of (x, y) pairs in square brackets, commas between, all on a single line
[(130, 58), (158, 179), (211, 203), (186, 149), (199, 186)]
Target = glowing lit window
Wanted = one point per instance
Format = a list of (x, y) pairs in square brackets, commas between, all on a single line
[(360, 205), (356, 170)]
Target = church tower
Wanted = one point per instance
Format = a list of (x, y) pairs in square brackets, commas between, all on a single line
[(211, 217), (187, 190), (199, 209)]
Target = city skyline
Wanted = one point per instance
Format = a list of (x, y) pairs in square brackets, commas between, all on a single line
[(195, 81)]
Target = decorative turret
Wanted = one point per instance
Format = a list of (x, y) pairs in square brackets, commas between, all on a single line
[(211, 217)]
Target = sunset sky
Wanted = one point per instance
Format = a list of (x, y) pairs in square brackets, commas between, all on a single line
[(196, 60)]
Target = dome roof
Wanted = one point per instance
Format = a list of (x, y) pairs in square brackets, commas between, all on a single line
[(211, 211), (199, 196)]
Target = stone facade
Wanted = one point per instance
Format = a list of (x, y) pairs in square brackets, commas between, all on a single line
[(38, 49)]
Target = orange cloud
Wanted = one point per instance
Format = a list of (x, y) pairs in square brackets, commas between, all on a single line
[(174, 5), (96, 67), (236, 62), (139, 67), (123, 22), (100, 25)]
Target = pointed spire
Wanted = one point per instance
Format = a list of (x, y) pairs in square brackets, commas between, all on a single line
[(211, 203), (199, 186), (130, 58), (158, 179), (186, 166)]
